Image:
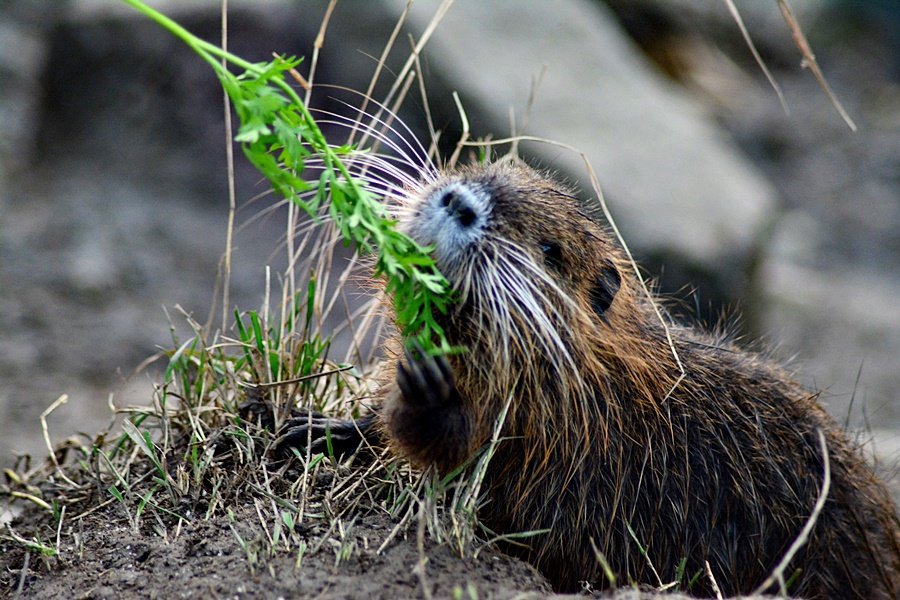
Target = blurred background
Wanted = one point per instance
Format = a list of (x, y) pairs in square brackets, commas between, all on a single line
[(113, 190)]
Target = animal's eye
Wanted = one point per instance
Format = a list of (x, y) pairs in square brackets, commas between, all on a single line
[(605, 288), (552, 254)]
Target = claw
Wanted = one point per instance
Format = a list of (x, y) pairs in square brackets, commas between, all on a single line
[(403, 382), (437, 379), (425, 380), (444, 365), (345, 436)]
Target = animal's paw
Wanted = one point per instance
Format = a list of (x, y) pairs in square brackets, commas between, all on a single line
[(255, 409), (428, 420), (321, 434), (426, 381)]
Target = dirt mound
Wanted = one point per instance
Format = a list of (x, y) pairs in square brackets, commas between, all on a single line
[(103, 556)]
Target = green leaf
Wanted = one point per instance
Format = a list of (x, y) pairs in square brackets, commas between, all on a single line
[(278, 135)]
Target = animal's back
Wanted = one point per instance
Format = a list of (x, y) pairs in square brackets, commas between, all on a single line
[(727, 471)]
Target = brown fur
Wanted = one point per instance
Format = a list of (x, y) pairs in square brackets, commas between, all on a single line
[(603, 444)]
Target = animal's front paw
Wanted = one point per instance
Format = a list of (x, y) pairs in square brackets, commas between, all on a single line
[(428, 420), (255, 409), (426, 382), (321, 434)]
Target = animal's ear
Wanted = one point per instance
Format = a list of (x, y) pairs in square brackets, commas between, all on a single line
[(605, 286)]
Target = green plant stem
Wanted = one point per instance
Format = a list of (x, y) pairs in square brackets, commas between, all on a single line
[(413, 280), (210, 52)]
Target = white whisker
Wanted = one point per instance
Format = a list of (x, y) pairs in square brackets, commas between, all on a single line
[(373, 169), (345, 122), (379, 130), (521, 299), (384, 166), (418, 149)]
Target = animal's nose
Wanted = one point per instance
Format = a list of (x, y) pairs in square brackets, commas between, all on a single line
[(459, 207)]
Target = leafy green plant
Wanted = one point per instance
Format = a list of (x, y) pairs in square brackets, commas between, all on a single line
[(279, 136)]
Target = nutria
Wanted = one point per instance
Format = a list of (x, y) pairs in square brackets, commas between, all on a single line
[(652, 460)]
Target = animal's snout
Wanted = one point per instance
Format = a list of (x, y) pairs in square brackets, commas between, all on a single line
[(459, 206)]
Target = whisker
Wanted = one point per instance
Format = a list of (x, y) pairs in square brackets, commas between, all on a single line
[(426, 161), (339, 120), (384, 168), (521, 299), (362, 165)]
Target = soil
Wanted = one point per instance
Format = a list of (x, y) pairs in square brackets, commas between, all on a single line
[(104, 557)]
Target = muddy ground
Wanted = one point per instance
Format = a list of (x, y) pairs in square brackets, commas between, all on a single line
[(106, 558)]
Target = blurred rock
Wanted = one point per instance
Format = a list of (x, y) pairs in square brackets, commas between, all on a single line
[(23, 51), (847, 323), (830, 275)]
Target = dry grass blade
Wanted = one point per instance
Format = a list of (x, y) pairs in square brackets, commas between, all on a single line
[(283, 382), (410, 62), (232, 203), (46, 432), (778, 573), (31, 498), (23, 574), (712, 581), (300, 79), (517, 130), (736, 15), (464, 136), (317, 46), (809, 60), (378, 68), (423, 94)]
